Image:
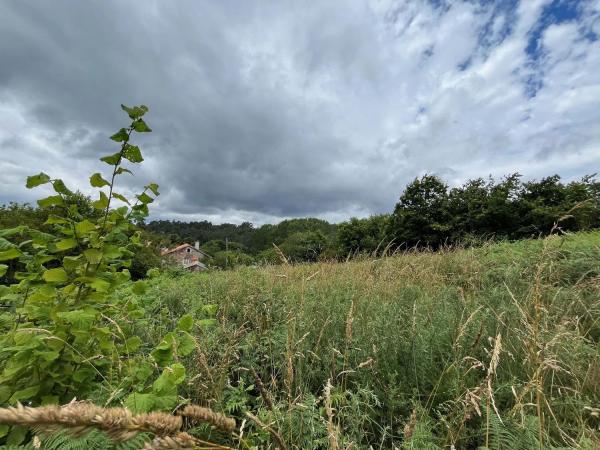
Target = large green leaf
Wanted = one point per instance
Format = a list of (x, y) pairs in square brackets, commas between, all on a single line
[(84, 227), (186, 323), (93, 255), (140, 403), (53, 200), (111, 159), (187, 344), (57, 275), (96, 180), (11, 253), (82, 319), (24, 394), (135, 112), (120, 197), (66, 244), (141, 127), (167, 383), (132, 153), (59, 186), (154, 188), (120, 136), (144, 198), (36, 180), (3, 269), (102, 202)]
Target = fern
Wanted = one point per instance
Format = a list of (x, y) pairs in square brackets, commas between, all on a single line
[(501, 435), (94, 440)]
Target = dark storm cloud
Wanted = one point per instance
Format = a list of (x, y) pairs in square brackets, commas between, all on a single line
[(264, 110)]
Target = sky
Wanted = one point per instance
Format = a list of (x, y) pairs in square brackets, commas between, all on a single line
[(266, 110)]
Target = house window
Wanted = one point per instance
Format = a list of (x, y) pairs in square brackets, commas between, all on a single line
[(189, 250)]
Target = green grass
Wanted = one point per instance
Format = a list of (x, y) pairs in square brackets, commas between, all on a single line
[(407, 343)]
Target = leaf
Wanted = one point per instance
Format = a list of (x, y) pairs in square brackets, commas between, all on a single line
[(84, 227), (3, 269), (111, 251), (102, 202), (154, 188), (11, 253), (144, 198), (133, 343), (65, 244), (55, 275), (167, 383), (4, 430), (141, 127), (12, 231), (96, 180), (120, 197), (120, 136), (82, 319), (112, 159), (100, 285), (53, 200), (132, 153), (187, 344), (153, 273), (135, 112), (139, 287), (59, 186), (93, 255), (54, 219), (16, 436), (121, 170), (25, 394), (36, 180), (140, 403), (72, 262), (186, 323)]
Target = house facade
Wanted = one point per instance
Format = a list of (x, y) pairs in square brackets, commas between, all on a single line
[(188, 256)]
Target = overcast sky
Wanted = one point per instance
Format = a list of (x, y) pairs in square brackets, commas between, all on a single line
[(264, 110)]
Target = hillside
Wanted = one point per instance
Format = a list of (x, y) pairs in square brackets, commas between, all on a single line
[(490, 347)]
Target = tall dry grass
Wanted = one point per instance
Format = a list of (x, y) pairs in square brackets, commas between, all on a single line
[(494, 346)]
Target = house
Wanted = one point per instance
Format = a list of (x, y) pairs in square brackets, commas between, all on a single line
[(186, 255)]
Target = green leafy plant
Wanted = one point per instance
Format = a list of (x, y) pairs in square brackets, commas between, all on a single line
[(69, 335)]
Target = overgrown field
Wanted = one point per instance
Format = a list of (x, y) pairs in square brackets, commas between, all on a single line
[(493, 347)]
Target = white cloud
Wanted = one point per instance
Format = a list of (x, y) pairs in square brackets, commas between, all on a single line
[(270, 110)]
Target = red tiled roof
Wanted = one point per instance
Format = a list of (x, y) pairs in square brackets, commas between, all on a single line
[(179, 247)]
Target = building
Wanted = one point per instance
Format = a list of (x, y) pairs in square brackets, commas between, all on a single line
[(188, 256)]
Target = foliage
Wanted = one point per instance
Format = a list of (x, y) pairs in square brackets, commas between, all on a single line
[(363, 235), (430, 214), (64, 330), (408, 342)]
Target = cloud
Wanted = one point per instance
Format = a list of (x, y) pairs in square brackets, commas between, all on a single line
[(268, 110)]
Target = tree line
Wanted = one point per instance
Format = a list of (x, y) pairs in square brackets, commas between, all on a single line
[(429, 213)]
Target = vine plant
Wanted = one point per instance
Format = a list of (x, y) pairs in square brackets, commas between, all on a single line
[(64, 333)]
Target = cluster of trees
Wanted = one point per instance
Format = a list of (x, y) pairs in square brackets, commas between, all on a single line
[(429, 213), (305, 239)]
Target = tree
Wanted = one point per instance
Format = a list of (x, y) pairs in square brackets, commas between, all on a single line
[(421, 215), (363, 235)]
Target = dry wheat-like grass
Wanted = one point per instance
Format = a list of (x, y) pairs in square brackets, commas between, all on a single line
[(201, 414), (119, 424), (332, 429)]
